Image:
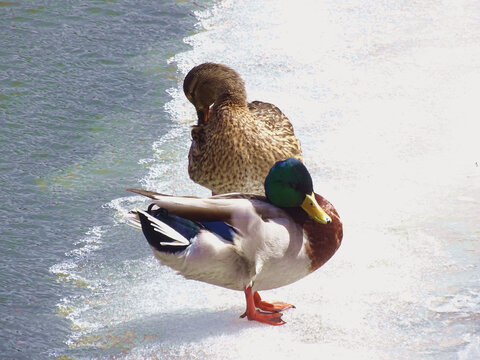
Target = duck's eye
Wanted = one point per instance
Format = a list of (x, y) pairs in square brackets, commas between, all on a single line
[(294, 186)]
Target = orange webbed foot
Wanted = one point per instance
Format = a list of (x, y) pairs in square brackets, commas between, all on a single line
[(275, 306), (274, 318), (269, 313)]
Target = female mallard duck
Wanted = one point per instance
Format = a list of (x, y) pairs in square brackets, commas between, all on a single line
[(246, 242), (234, 143)]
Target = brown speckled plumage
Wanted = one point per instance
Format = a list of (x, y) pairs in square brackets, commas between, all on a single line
[(235, 148)]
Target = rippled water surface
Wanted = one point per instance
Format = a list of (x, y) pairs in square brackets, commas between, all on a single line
[(82, 89), (383, 96)]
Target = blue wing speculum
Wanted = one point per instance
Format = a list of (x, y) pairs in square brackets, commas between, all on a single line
[(170, 233)]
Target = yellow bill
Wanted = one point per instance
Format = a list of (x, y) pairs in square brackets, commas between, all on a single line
[(310, 205)]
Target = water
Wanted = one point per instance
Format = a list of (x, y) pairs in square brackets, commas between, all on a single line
[(383, 96)]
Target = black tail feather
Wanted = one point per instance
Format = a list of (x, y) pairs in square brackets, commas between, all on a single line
[(165, 238)]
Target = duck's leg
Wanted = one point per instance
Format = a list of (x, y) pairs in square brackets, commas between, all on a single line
[(272, 318), (275, 306)]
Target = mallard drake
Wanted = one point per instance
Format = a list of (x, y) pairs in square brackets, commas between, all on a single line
[(235, 143), (246, 242)]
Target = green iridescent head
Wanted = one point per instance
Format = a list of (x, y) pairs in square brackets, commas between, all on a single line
[(289, 184)]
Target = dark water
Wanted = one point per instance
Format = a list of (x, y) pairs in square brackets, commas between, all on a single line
[(82, 89)]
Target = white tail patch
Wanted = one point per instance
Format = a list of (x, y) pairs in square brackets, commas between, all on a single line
[(162, 228), (133, 220)]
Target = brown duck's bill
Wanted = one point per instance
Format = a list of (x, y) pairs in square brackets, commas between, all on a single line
[(310, 205)]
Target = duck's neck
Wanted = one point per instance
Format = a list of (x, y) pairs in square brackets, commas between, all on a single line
[(298, 214), (228, 97), (322, 241)]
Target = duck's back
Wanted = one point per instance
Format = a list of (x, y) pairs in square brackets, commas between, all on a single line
[(236, 148), (271, 116), (280, 127)]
